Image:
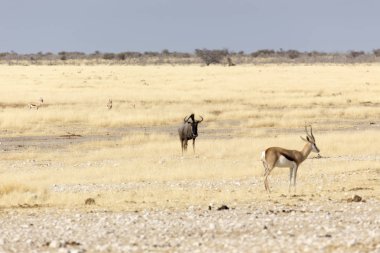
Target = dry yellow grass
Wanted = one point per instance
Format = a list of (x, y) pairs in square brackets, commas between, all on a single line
[(255, 96), (246, 109)]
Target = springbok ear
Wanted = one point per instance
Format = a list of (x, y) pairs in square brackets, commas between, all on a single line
[(308, 139), (303, 139)]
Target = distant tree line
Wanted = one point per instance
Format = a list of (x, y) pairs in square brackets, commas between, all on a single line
[(199, 56)]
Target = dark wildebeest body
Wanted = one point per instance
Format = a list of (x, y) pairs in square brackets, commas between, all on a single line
[(188, 130)]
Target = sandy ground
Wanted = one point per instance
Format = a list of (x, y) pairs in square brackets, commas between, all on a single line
[(75, 136)]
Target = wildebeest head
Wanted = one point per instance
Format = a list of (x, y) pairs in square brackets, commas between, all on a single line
[(194, 124)]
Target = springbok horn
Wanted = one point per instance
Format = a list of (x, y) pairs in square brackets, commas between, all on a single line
[(307, 132), (311, 132)]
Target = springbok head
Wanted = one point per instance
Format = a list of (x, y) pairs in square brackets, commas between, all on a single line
[(194, 123), (311, 139)]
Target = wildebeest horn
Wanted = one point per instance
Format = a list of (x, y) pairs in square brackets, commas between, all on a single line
[(190, 117), (201, 119)]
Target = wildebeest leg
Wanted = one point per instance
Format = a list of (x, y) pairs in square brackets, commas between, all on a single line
[(185, 145), (194, 146), (182, 146)]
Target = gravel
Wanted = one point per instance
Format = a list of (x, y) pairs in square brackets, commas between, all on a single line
[(332, 226), (182, 184)]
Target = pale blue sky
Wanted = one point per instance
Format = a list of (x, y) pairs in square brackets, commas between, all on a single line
[(183, 25)]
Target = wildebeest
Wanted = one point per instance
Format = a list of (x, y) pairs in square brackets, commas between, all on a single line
[(188, 130)]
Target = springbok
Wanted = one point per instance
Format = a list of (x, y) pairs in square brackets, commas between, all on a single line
[(188, 130), (109, 104), (36, 105), (280, 157)]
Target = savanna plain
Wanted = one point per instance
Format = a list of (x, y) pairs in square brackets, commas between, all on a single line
[(76, 176)]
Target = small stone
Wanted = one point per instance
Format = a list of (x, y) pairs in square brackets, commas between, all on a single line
[(355, 198), (54, 244), (71, 243), (89, 201), (223, 207)]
